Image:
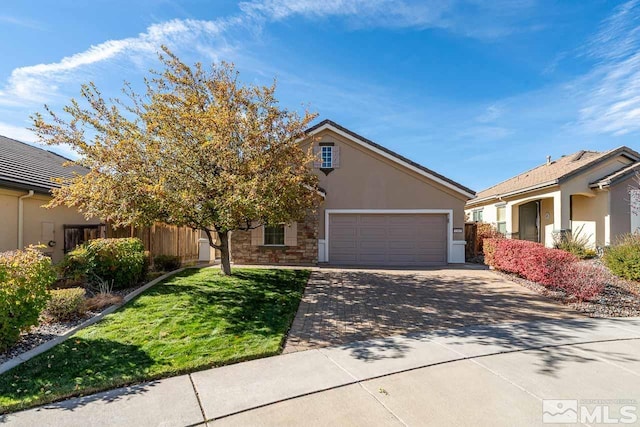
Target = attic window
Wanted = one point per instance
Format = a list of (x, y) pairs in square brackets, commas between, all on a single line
[(327, 156)]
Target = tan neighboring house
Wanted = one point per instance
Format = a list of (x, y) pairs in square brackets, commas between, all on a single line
[(588, 191), (379, 209), (25, 186)]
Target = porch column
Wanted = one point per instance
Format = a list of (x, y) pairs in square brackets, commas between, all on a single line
[(508, 209), (561, 212)]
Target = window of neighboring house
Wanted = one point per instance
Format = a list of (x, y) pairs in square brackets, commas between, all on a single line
[(327, 156), (274, 235), (477, 215), (501, 216)]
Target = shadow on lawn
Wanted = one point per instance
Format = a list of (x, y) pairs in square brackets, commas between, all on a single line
[(94, 365)]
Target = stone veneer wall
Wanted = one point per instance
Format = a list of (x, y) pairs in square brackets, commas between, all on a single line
[(305, 253)]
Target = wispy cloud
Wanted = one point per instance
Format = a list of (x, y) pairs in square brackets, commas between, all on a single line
[(38, 83), (20, 22), (610, 93)]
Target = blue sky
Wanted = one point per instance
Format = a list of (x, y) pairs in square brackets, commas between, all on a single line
[(476, 90)]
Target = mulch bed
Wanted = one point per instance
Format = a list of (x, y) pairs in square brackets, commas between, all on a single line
[(46, 331), (620, 298)]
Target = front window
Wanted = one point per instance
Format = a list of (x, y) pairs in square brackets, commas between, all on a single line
[(274, 235), (477, 215), (501, 217), (327, 156)]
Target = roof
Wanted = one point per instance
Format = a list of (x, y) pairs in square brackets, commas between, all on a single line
[(395, 156), (616, 176), (24, 166), (551, 174)]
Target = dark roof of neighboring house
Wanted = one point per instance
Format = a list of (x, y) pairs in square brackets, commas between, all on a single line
[(553, 173), (23, 166), (392, 153)]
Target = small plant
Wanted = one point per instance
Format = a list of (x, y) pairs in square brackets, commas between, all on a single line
[(100, 301), (166, 262), (486, 231), (623, 258), (25, 276), (66, 304), (575, 242)]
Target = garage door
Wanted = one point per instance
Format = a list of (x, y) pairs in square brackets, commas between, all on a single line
[(387, 239)]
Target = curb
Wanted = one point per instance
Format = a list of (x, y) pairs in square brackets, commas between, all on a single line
[(21, 358)]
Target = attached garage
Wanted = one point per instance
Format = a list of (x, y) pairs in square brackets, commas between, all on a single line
[(387, 239)]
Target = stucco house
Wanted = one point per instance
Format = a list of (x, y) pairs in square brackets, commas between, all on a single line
[(587, 191), (25, 186), (379, 209)]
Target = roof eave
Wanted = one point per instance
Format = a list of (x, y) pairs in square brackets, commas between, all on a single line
[(475, 202)]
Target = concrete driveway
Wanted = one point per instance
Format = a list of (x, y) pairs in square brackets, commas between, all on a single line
[(346, 305)]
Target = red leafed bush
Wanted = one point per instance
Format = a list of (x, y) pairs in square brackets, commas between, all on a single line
[(527, 259), (582, 280)]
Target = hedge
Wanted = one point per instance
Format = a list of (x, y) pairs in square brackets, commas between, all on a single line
[(66, 304), (121, 262), (25, 276)]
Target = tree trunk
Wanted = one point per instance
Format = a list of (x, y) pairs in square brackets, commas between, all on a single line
[(225, 260)]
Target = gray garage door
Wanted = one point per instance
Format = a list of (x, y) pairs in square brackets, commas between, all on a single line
[(387, 239)]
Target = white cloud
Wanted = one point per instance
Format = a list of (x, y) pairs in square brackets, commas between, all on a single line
[(610, 93), (39, 83), (16, 132)]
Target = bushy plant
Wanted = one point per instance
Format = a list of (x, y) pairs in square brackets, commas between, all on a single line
[(25, 276), (166, 262), (117, 261), (575, 242), (66, 304), (581, 280), (486, 231), (527, 259), (623, 258)]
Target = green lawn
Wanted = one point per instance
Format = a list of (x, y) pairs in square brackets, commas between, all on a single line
[(194, 320)]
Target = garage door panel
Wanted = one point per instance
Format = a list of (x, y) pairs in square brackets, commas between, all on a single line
[(388, 239)]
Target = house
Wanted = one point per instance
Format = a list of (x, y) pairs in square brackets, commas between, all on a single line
[(587, 192), (26, 174), (378, 209)]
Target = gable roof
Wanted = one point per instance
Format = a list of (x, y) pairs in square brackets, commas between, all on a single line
[(23, 166), (551, 174), (385, 152), (617, 176)]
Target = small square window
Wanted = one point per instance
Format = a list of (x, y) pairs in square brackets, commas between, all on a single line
[(477, 216), (327, 156), (274, 235)]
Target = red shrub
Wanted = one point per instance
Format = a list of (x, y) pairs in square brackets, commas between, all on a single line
[(582, 280), (527, 259)]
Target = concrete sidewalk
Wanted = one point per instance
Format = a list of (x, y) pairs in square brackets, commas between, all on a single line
[(489, 375)]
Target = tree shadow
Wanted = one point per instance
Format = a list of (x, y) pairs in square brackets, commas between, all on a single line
[(367, 311), (77, 366)]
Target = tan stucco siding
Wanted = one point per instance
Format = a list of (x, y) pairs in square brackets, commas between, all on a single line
[(620, 209), (367, 180), (34, 217), (590, 216)]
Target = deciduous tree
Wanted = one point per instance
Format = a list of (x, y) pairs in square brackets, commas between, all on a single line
[(198, 149)]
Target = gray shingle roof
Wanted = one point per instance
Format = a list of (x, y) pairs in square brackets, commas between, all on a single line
[(27, 167)]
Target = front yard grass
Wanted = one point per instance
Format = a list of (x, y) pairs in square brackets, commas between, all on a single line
[(195, 320)]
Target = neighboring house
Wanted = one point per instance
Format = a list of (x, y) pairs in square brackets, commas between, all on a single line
[(379, 209), (25, 186), (587, 191)]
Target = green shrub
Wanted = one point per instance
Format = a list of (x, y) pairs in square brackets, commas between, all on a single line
[(25, 276), (623, 258), (66, 304), (166, 262), (574, 242), (121, 262)]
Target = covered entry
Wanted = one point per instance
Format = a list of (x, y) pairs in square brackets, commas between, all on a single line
[(387, 239)]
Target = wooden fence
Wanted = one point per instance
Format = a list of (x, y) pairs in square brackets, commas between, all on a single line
[(472, 248), (162, 239)]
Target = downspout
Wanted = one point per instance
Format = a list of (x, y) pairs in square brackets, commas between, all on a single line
[(21, 219)]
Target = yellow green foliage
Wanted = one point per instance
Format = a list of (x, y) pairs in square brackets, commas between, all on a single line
[(25, 276)]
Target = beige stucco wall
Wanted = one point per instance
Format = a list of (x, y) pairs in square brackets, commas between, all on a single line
[(590, 216), (366, 180), (620, 209), (34, 217)]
